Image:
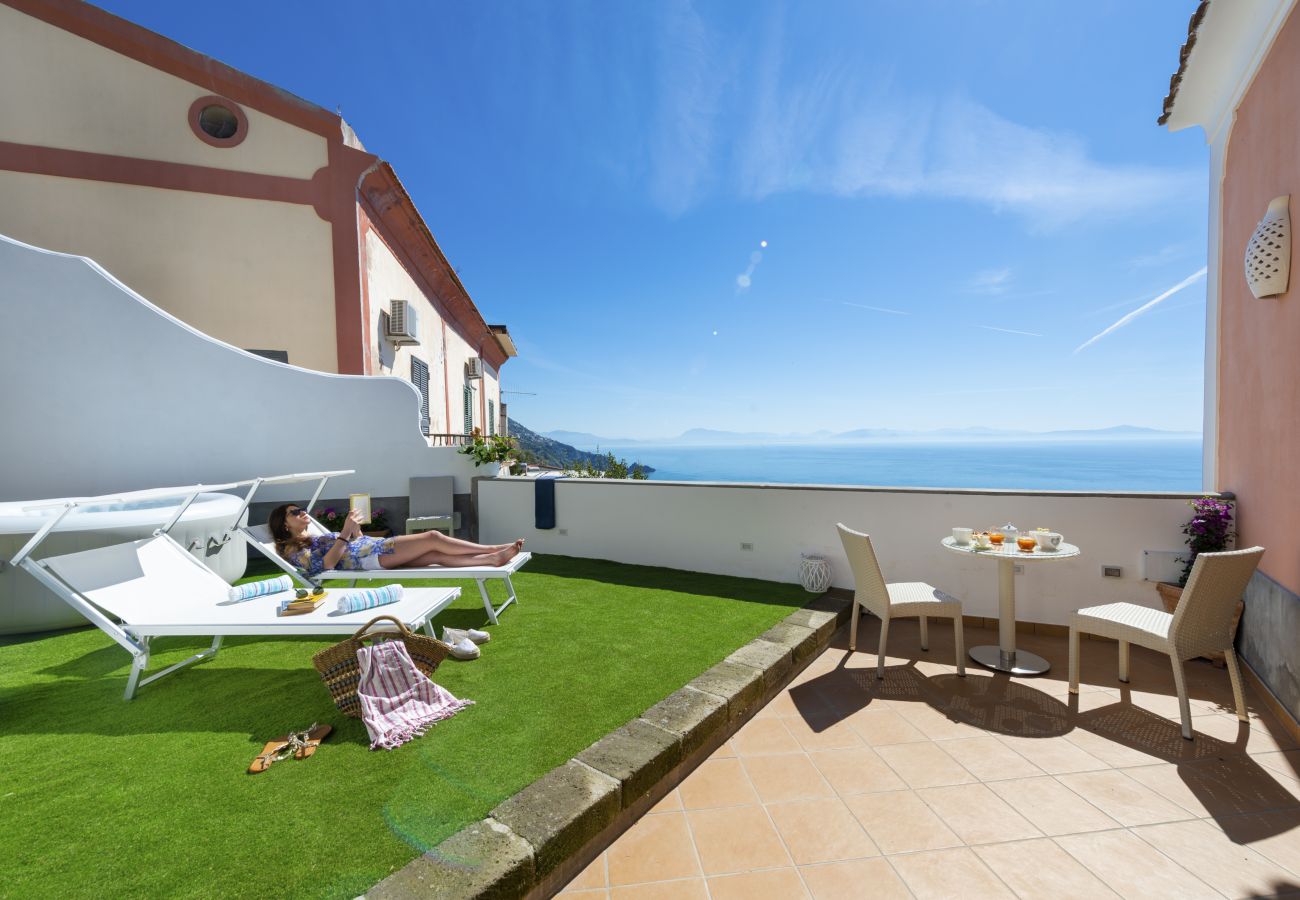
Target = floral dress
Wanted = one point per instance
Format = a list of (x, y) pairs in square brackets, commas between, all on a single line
[(362, 553)]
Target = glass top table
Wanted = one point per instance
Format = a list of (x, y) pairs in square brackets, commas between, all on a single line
[(1005, 657)]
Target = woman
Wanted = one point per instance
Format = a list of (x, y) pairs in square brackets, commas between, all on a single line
[(351, 550)]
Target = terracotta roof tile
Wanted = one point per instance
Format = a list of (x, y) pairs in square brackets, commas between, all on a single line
[(1177, 78)]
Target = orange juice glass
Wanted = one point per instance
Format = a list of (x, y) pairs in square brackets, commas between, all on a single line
[(996, 537), (1027, 543)]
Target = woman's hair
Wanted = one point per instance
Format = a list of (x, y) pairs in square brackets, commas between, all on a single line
[(284, 539)]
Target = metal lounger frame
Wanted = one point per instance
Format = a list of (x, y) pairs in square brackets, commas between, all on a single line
[(134, 639), (480, 574)]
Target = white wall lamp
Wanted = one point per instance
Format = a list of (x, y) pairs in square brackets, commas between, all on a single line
[(1268, 254)]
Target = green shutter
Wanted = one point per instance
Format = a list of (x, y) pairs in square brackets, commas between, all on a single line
[(469, 409), (420, 378), (492, 417)]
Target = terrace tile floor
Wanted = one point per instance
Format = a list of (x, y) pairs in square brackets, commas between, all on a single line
[(930, 785)]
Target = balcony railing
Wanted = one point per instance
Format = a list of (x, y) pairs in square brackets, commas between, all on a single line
[(449, 440)]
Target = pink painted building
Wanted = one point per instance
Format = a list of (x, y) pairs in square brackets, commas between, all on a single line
[(1239, 80)]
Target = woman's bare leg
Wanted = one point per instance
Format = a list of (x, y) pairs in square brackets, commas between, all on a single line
[(452, 561), (435, 540)]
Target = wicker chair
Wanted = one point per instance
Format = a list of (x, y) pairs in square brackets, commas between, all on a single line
[(888, 601), (1203, 622)]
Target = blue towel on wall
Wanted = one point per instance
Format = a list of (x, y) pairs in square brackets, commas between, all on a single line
[(544, 502)]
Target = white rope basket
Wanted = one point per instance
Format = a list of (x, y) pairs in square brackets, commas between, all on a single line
[(814, 574)]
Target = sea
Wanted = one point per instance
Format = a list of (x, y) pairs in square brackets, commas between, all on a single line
[(1167, 464)]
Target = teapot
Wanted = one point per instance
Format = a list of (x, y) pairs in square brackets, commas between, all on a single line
[(1010, 532)]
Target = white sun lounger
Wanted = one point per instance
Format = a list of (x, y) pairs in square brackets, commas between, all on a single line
[(152, 587), (259, 536)]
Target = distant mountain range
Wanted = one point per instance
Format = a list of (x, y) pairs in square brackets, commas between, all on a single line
[(709, 436)]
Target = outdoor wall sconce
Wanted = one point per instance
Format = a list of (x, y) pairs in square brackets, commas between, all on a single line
[(1268, 254)]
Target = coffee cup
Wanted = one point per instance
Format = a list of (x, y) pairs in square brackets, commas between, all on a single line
[(1048, 540), (962, 535)]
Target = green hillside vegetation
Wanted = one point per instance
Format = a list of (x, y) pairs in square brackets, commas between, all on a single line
[(543, 451)]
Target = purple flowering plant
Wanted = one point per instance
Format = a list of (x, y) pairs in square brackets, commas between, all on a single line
[(1208, 531), (331, 517)]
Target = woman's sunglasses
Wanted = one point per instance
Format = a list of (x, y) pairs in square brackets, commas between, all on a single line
[(295, 511)]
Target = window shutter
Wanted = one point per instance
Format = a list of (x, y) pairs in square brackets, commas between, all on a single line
[(469, 408), (492, 417), (420, 378)]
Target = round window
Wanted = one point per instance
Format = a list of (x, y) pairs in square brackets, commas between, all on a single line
[(218, 122)]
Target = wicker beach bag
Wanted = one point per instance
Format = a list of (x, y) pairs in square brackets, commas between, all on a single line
[(341, 672)]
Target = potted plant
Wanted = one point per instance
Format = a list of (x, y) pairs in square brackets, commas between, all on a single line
[(331, 517), (334, 518), (1208, 531), (378, 526), (489, 450)]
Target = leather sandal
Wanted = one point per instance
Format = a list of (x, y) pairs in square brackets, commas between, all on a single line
[(310, 740), (298, 744)]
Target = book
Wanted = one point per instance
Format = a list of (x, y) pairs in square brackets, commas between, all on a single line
[(298, 607)]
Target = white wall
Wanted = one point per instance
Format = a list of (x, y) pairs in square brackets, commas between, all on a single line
[(102, 392), (700, 527), (256, 273), (387, 280), (441, 346)]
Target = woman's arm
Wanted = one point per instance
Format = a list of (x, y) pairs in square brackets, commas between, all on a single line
[(351, 531), (335, 553)]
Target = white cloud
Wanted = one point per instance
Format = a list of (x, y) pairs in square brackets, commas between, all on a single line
[(990, 281), (681, 140), (846, 132), (1146, 307), (1166, 254), (954, 148)]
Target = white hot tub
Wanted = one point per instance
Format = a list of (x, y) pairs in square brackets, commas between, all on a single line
[(27, 606)]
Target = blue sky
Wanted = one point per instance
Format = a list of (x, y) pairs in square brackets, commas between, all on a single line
[(957, 197)]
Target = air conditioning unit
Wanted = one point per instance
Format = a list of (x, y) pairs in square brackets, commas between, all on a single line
[(474, 367), (402, 327)]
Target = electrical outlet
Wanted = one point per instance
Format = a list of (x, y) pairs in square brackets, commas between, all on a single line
[(1111, 572), (1019, 569), (564, 532), (744, 545)]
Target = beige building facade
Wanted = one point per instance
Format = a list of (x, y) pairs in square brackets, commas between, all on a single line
[(246, 212)]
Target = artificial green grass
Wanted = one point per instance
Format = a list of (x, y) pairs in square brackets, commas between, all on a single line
[(100, 796)]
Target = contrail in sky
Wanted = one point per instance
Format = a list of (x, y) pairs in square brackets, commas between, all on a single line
[(1195, 276), (1009, 330), (892, 312)]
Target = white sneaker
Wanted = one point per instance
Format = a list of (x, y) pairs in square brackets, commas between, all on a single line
[(455, 635), (464, 649)]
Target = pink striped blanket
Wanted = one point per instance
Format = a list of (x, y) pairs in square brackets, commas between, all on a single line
[(398, 702)]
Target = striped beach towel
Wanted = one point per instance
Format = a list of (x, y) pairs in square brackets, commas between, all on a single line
[(398, 702), (369, 598), (241, 592)]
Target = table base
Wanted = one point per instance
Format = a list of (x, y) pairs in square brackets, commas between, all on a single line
[(1017, 662)]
